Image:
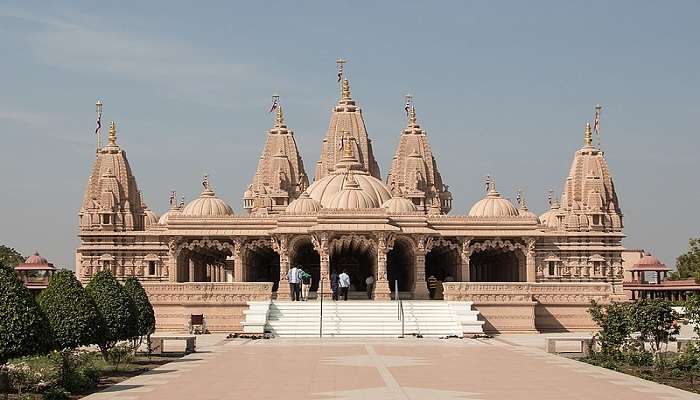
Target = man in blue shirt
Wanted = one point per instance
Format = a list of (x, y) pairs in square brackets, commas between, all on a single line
[(294, 277), (344, 283)]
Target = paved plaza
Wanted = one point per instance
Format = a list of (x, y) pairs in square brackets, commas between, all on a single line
[(509, 367)]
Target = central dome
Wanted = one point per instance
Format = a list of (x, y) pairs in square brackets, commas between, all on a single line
[(207, 204), (325, 190), (493, 205)]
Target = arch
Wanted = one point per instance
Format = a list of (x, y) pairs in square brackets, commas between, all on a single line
[(302, 252), (262, 262), (203, 260), (496, 260), (401, 264), (443, 262), (357, 254)]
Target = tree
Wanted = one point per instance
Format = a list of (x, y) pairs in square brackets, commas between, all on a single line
[(655, 321), (614, 322), (10, 257), (116, 308), (692, 312), (23, 327), (688, 263), (73, 317), (146, 318)]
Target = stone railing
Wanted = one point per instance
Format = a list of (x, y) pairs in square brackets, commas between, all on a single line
[(519, 292), (208, 293)]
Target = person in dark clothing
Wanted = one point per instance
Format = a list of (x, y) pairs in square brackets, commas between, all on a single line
[(334, 284), (432, 285)]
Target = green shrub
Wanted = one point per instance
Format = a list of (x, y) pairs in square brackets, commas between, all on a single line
[(692, 312), (688, 361), (73, 317), (614, 322), (81, 373), (120, 354), (146, 319), (34, 374), (655, 321), (23, 327), (57, 393), (636, 355), (116, 308)]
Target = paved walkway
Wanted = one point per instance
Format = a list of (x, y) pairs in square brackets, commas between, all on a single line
[(385, 369)]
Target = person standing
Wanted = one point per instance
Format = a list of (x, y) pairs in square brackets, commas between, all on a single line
[(370, 286), (305, 285), (344, 282), (432, 285), (294, 277), (334, 285)]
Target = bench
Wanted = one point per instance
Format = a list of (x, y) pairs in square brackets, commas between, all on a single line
[(682, 342), (157, 343), (550, 343)]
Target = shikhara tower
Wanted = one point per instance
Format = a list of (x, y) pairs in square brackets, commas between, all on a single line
[(522, 272)]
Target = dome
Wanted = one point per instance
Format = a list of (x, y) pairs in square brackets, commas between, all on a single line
[(303, 205), (352, 196), (524, 212), (493, 205), (150, 218), (207, 204), (36, 258), (324, 190), (164, 218), (399, 205)]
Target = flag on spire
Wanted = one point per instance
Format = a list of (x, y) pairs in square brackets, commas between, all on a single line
[(596, 121), (340, 63), (275, 103), (409, 101)]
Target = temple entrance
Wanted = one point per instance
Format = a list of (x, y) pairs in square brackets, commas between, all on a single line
[(444, 262), (400, 265), (303, 254), (202, 261), (357, 257), (497, 265), (262, 265)]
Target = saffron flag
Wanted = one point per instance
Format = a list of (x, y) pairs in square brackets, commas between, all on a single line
[(99, 123)]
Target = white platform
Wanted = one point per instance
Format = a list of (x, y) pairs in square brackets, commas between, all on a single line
[(360, 318)]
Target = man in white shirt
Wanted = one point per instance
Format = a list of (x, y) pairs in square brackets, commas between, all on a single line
[(344, 283), (294, 277)]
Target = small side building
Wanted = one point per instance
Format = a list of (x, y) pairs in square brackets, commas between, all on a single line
[(35, 272)]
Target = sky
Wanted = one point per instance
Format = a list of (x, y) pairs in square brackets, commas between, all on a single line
[(502, 88)]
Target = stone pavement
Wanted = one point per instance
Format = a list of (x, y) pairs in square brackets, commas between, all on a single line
[(385, 369)]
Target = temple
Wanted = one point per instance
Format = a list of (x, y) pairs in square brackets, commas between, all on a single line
[(521, 272)]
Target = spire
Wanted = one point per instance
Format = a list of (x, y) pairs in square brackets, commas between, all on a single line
[(279, 119), (112, 133), (588, 135)]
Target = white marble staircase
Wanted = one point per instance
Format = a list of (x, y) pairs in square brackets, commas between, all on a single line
[(371, 318)]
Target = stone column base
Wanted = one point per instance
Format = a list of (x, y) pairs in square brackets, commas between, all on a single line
[(420, 291), (381, 290), (283, 291)]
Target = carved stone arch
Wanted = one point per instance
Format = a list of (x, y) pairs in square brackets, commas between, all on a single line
[(204, 243), (259, 243), (497, 243), (441, 241)]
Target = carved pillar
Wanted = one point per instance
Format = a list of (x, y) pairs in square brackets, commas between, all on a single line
[(238, 259), (170, 269), (466, 254), (190, 276), (531, 272), (320, 243), (420, 287), (281, 246), (381, 286)]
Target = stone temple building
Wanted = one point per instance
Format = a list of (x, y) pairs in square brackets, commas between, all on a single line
[(522, 272)]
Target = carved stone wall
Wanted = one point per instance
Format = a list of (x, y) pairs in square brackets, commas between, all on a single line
[(221, 303), (518, 307)]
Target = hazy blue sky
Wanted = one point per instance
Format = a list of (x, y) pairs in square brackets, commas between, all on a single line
[(501, 87)]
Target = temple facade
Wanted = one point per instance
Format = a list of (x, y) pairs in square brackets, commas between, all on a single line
[(522, 271)]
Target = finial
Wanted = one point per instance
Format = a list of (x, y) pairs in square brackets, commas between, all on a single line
[(412, 120), (182, 202), (98, 127), (519, 198), (280, 116), (112, 133), (488, 183), (345, 93), (173, 199), (588, 137), (409, 103), (596, 122), (205, 182), (549, 197)]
